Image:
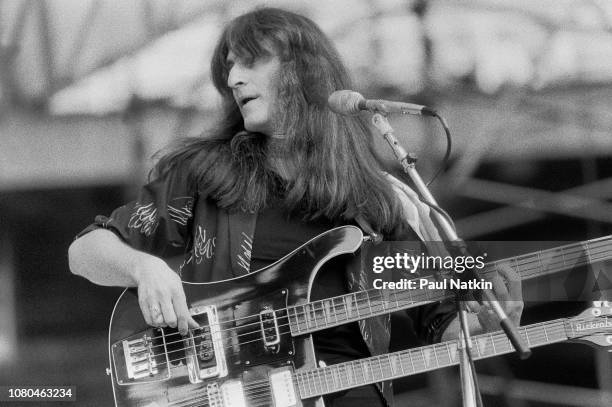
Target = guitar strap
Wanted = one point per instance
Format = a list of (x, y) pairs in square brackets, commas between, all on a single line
[(367, 228)]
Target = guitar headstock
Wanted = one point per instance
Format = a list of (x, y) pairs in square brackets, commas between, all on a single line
[(593, 326)]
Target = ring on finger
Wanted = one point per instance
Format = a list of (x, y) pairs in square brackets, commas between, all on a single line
[(156, 315), (158, 319)]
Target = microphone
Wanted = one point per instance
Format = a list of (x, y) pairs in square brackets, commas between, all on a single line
[(349, 103)]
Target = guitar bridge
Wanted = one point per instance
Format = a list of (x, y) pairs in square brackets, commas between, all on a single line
[(205, 353), (141, 358)]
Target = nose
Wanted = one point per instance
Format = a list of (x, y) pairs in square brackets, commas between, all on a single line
[(236, 76)]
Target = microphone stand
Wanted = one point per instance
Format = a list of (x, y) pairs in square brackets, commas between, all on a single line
[(467, 374), (471, 396)]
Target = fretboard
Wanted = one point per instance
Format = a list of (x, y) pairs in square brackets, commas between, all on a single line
[(323, 314), (375, 369), (318, 315), (550, 261)]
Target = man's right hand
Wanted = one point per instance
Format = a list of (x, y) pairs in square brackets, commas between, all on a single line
[(161, 296)]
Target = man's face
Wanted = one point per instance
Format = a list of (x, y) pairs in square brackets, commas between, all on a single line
[(254, 85)]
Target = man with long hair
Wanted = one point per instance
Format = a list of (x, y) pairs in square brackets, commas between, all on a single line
[(279, 169)]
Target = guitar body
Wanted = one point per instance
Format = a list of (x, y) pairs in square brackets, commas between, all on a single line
[(244, 344)]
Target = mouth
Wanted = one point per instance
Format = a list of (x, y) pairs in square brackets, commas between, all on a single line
[(246, 100)]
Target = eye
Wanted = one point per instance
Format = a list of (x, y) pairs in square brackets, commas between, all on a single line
[(248, 61), (230, 60)]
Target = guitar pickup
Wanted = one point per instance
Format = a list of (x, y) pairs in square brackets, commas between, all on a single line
[(141, 358), (205, 353), (269, 328), (283, 388)]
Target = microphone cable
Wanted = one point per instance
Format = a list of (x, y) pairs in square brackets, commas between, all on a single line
[(441, 168), (447, 154)]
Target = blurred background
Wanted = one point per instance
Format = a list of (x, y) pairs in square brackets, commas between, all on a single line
[(90, 89)]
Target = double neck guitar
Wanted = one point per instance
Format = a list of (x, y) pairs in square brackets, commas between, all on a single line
[(253, 347)]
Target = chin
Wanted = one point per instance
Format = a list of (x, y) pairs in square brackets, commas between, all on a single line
[(254, 128)]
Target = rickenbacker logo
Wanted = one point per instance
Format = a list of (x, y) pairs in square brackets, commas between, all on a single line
[(587, 326)]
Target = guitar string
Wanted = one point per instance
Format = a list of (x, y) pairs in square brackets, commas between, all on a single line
[(331, 302), (264, 395), (358, 302), (387, 371), (493, 339), (557, 327), (258, 392), (318, 318), (372, 304), (488, 270), (190, 402), (576, 320), (228, 341), (249, 395), (178, 360), (252, 389), (553, 329), (485, 338), (304, 313)]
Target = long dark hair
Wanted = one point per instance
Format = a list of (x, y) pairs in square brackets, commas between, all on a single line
[(339, 173)]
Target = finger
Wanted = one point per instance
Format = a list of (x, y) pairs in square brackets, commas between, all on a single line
[(157, 316), (192, 323), (515, 293), (488, 309), (185, 324), (513, 282), (473, 306), (184, 319), (508, 272), (515, 290), (499, 288), (487, 317), (169, 317), (158, 320), (145, 309), (515, 309)]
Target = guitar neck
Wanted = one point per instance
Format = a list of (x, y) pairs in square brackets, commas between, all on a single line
[(554, 260), (317, 382), (318, 315)]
